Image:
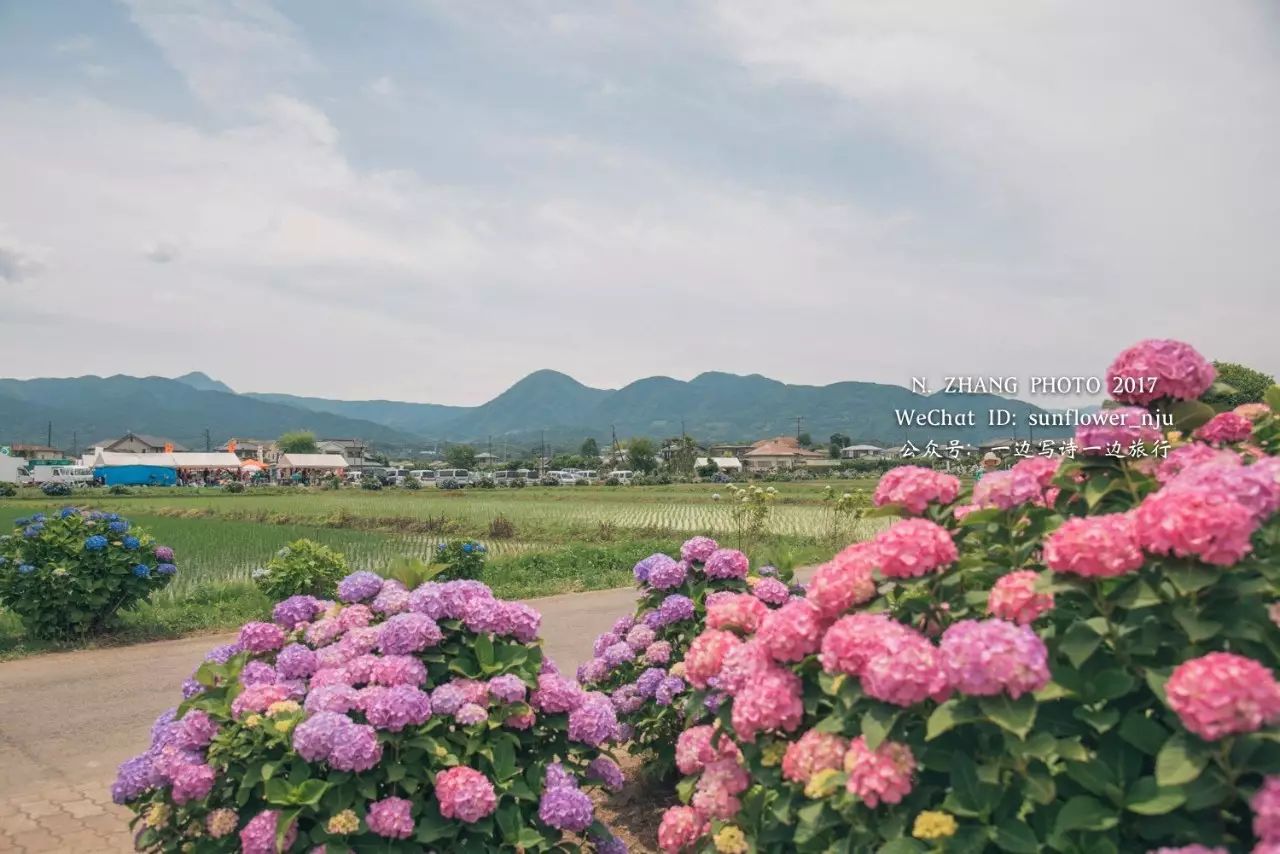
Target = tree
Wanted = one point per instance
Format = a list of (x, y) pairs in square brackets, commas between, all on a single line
[(684, 453), (590, 449), (839, 442), (460, 456), (805, 440), (297, 442), (641, 456), (1247, 386)]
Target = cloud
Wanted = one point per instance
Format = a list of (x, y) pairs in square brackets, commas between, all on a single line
[(74, 44), (18, 262), (161, 252), (384, 87)]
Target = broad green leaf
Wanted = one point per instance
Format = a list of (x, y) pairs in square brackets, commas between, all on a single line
[(1190, 414), (1016, 716), (1143, 732), (483, 646), (1016, 837), (1188, 578), (1085, 813), (1180, 761), (1079, 643), (942, 719), (876, 724), (1148, 798)]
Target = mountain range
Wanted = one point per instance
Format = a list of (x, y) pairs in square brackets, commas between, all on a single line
[(714, 407)]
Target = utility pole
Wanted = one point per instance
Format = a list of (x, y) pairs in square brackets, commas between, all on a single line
[(799, 421), (49, 438), (682, 433), (613, 428), (208, 443), (75, 443), (542, 459)]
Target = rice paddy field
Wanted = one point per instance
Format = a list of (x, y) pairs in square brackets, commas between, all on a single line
[(541, 540)]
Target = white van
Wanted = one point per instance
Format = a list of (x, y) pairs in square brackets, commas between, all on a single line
[(71, 475), (14, 470), (623, 477), (427, 477), (566, 478), (448, 478)]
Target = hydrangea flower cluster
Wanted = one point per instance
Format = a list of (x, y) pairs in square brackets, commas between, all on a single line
[(646, 665), (1121, 619), (914, 488), (439, 698)]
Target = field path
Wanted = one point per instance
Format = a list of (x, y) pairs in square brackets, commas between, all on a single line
[(68, 719)]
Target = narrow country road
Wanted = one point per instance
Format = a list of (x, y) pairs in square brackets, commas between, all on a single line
[(68, 719)]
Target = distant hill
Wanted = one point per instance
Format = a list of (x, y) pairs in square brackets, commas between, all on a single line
[(714, 407), (97, 408)]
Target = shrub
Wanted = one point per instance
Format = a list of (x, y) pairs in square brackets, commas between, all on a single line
[(486, 483), (517, 484), (8, 490), (612, 481), (234, 487), (370, 482), (331, 481), (303, 567), (549, 481), (397, 722), (582, 481), (460, 559), (119, 489), (501, 528), (1076, 656), (71, 573), (55, 488), (412, 482), (641, 663)]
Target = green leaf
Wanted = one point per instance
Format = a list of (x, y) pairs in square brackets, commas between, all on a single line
[(1084, 813), (1101, 719), (504, 760), (1149, 798), (810, 820), (1272, 398), (1196, 628), (1190, 414), (1040, 786), (1143, 732), (902, 845), (971, 794), (1188, 577), (944, 718), (1180, 761), (1079, 643), (1093, 777), (876, 724), (1016, 716), (1016, 837), (483, 646)]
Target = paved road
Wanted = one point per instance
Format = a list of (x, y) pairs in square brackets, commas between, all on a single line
[(67, 720)]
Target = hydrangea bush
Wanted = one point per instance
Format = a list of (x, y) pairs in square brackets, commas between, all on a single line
[(304, 567), (1076, 655), (72, 572), (391, 721), (459, 559), (641, 663)]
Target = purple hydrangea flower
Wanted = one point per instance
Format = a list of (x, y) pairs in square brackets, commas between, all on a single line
[(295, 611), (698, 549), (566, 809), (605, 770), (191, 782), (649, 681), (556, 694), (727, 563), (507, 688), (608, 844), (594, 721), (397, 707), (520, 622), (331, 698), (470, 713), (355, 748), (257, 673), (771, 591), (627, 699), (134, 777), (408, 633), (428, 598), (676, 608), (668, 689), (653, 620), (166, 569), (447, 698), (618, 654), (592, 671), (261, 637), (296, 661), (190, 688), (313, 738), (223, 654), (714, 700), (622, 625), (393, 598), (360, 641), (359, 587), (164, 554), (603, 642), (666, 573), (659, 652), (483, 615), (559, 777), (458, 596), (640, 637), (398, 670)]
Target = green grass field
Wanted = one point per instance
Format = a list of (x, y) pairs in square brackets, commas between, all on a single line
[(542, 541)]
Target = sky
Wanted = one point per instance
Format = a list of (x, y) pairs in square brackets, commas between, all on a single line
[(425, 201)]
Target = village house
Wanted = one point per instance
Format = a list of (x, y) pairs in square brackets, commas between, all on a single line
[(265, 450), (862, 452), (780, 452), (139, 443), (355, 451), (35, 452)]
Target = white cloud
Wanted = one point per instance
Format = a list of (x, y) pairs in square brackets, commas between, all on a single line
[(18, 261)]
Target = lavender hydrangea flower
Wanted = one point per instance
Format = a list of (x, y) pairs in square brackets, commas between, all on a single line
[(261, 637), (408, 633), (520, 621), (393, 598), (296, 661), (470, 713), (458, 597), (313, 738), (565, 808), (594, 721), (668, 689), (593, 671), (166, 569), (627, 699), (640, 637), (622, 625), (257, 673), (556, 694), (603, 642), (667, 573), (134, 777), (397, 707), (659, 652), (619, 654), (559, 777), (649, 681), (164, 554), (605, 770), (507, 688), (355, 748), (608, 844), (698, 549), (771, 591), (447, 698), (331, 698), (428, 598), (295, 611), (675, 609), (359, 587), (727, 563)]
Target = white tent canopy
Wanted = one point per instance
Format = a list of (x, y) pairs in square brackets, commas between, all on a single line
[(312, 461), (215, 460), (106, 459), (723, 463)]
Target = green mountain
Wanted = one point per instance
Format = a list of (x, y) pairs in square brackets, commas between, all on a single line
[(85, 410), (204, 382), (422, 419)]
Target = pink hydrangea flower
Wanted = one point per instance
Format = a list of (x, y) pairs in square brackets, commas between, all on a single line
[(556, 694), (191, 782), (740, 611), (883, 775), (912, 548), (1193, 454), (740, 665), (989, 657), (717, 789), (1256, 486), (1266, 810), (391, 817), (905, 671), (914, 488), (259, 835), (261, 637), (772, 702), (694, 750), (1225, 428), (1094, 546), (771, 591), (726, 563), (398, 670), (256, 698), (698, 549), (793, 631), (844, 581), (1123, 425), (1178, 371), (465, 794), (1014, 598), (705, 655), (1195, 522), (1253, 411), (681, 828), (355, 617), (813, 752), (1223, 693), (852, 641)]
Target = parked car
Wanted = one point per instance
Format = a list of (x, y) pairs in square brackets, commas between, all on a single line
[(453, 478), (427, 477), (71, 475), (623, 477), (14, 470), (590, 475), (394, 477), (566, 478)]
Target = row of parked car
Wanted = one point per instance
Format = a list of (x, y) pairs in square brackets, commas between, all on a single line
[(458, 478)]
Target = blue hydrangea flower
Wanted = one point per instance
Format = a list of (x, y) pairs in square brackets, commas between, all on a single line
[(166, 569), (39, 517), (118, 527), (131, 542), (480, 548), (440, 547), (65, 512), (21, 523), (142, 571), (32, 531), (466, 547), (96, 543), (26, 569), (112, 517)]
